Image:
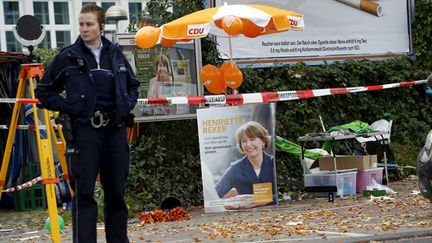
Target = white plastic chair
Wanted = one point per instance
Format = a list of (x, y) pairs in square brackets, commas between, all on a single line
[(380, 125)]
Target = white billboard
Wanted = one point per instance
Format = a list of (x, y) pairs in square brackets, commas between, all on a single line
[(334, 30)]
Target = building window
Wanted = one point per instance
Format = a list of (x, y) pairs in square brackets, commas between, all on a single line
[(135, 10), (41, 11), (12, 44), (11, 12), (46, 42), (61, 13), (63, 38), (107, 5)]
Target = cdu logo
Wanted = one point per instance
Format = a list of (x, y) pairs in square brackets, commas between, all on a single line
[(293, 22), (198, 29)]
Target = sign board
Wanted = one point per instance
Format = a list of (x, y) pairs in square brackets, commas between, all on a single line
[(237, 156), (334, 30), (164, 72)]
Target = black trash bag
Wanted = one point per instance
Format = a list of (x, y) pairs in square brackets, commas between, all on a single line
[(424, 168), (170, 202)]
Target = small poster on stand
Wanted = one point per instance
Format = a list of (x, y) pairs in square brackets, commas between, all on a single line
[(237, 157)]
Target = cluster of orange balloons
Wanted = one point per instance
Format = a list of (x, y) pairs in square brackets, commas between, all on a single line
[(234, 25), (217, 80)]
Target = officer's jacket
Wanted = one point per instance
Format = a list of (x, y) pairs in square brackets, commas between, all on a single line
[(70, 72)]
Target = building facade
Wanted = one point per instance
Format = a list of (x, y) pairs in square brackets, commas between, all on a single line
[(60, 20)]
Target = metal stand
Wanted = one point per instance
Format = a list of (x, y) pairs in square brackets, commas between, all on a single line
[(333, 140), (32, 72), (383, 142)]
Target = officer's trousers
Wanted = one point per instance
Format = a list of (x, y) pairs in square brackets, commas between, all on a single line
[(106, 151)]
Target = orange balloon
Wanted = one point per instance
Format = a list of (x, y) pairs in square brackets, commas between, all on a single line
[(220, 89), (147, 37), (227, 65), (218, 23), (168, 42), (211, 78), (250, 29), (233, 77), (233, 25), (206, 73)]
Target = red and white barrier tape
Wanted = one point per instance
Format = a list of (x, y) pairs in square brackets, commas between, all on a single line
[(19, 100), (250, 98), (25, 185), (23, 127), (267, 97)]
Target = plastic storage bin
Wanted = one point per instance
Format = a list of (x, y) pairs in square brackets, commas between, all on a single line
[(364, 177), (29, 171), (319, 180), (346, 182), (30, 198)]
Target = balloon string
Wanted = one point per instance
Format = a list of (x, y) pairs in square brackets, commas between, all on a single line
[(230, 47)]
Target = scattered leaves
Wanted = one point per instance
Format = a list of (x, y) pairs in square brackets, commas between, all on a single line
[(175, 214)]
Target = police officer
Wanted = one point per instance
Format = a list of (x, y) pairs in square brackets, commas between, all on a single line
[(101, 90)]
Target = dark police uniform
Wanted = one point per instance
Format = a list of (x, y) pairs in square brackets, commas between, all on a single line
[(98, 100)]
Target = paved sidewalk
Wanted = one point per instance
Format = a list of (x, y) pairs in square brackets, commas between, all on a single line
[(403, 217)]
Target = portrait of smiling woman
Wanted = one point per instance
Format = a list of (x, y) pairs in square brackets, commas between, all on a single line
[(255, 167)]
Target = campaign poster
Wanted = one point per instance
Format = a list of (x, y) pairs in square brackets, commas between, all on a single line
[(331, 28), (145, 66), (162, 72), (237, 157)]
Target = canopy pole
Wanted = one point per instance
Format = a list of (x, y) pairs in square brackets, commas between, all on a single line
[(230, 47)]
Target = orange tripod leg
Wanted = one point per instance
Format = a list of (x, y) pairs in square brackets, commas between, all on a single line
[(45, 158), (11, 135)]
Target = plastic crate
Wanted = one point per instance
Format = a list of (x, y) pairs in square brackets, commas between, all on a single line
[(364, 177), (346, 182), (319, 180), (30, 198), (29, 171)]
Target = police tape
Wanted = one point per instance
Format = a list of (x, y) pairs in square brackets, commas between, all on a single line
[(24, 185), (23, 127), (250, 98), (30, 127), (19, 100), (268, 97)]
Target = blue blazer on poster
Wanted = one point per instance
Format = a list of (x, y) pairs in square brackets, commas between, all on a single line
[(241, 176)]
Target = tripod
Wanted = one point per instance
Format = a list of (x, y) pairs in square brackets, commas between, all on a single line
[(32, 72)]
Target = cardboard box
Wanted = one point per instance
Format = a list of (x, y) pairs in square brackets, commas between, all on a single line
[(344, 162)]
